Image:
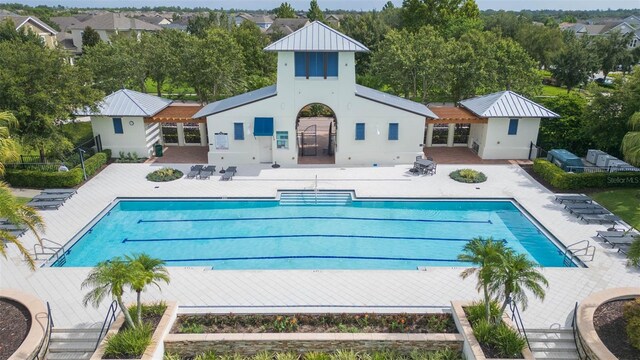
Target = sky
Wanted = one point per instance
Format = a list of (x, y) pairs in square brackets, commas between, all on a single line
[(338, 4)]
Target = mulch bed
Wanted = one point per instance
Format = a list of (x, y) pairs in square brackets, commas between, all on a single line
[(15, 322), (610, 327), (316, 323)]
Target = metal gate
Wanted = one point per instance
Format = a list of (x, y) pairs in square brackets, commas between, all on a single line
[(308, 141)]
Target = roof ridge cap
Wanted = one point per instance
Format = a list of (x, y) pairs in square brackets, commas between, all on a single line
[(125, 91)]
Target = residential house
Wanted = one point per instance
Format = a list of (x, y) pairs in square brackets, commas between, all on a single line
[(333, 20), (283, 26), (631, 24), (109, 24), (155, 20), (33, 24), (263, 21)]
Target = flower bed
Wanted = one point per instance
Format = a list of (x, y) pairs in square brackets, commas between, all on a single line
[(336, 355), (316, 323), (164, 175), (468, 176), (611, 325)]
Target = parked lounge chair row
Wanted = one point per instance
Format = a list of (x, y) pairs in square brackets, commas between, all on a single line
[(205, 172), (12, 229), (51, 198), (586, 210), (620, 239)]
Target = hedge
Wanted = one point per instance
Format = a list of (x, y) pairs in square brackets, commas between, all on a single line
[(560, 179), (57, 179)]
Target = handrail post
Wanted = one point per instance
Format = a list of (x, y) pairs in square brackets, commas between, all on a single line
[(108, 320)]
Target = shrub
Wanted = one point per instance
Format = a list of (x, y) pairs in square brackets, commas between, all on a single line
[(94, 163), (631, 309), (164, 174), (128, 343), (508, 342), (476, 311), (483, 331), (560, 179), (129, 157), (631, 313), (468, 176), (633, 254)]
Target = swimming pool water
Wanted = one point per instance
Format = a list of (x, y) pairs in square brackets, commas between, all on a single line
[(266, 235)]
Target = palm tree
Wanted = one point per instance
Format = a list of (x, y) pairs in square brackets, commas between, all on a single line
[(512, 276), (109, 278), (146, 270), (631, 141), (483, 253)]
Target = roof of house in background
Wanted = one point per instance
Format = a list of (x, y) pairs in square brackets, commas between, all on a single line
[(19, 22), (175, 26), (65, 21), (506, 104), (156, 20), (7, 12), (394, 101), (237, 101), (287, 26), (112, 21), (317, 37), (127, 102)]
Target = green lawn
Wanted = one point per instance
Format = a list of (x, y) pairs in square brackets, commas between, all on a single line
[(622, 202), (548, 90), (77, 132), (23, 200)]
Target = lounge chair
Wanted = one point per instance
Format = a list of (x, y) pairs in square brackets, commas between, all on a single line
[(592, 211), (59, 191), (573, 198), (195, 171), (620, 240), (44, 205), (207, 172), (608, 233), (229, 173), (7, 227), (600, 218), (47, 197), (575, 206)]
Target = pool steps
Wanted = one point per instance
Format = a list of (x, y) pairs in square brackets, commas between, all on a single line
[(331, 198)]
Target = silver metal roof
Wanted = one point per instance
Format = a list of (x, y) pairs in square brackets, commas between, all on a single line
[(129, 103), (506, 104), (394, 101), (236, 101), (316, 37)]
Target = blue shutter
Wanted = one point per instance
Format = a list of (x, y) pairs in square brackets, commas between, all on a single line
[(316, 64), (332, 65), (263, 126), (359, 131), (513, 126), (238, 131), (117, 126), (300, 64), (393, 131)]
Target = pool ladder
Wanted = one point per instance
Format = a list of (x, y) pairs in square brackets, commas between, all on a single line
[(573, 251), (330, 198)]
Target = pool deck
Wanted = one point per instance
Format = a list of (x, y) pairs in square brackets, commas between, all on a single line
[(311, 290)]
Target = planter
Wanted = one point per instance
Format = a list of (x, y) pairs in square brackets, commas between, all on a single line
[(592, 345), (36, 343), (471, 348), (248, 344), (155, 350)]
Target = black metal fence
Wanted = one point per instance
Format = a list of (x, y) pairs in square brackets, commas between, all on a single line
[(536, 151), (70, 159)]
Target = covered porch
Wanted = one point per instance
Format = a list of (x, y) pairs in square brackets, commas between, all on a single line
[(458, 155), (178, 127), (455, 127)]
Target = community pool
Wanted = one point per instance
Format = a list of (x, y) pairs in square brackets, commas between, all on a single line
[(264, 234)]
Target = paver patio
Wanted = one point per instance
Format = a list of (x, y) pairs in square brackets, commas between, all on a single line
[(311, 290)]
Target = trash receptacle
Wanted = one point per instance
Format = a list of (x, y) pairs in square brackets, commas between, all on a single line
[(158, 150)]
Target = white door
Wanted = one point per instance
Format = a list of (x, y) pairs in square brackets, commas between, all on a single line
[(266, 152)]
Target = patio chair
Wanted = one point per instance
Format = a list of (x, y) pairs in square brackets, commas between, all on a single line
[(619, 233), (600, 218), (48, 197), (620, 240), (572, 198), (431, 169), (45, 205), (195, 171), (594, 211), (60, 191), (419, 157), (576, 206), (229, 173), (207, 172), (429, 158)]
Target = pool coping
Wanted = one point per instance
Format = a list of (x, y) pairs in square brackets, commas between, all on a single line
[(67, 246)]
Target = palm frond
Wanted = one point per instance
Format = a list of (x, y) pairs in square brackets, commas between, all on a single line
[(8, 237)]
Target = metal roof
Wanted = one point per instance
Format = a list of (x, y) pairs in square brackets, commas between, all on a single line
[(129, 103), (237, 101), (394, 101), (316, 37), (506, 104)]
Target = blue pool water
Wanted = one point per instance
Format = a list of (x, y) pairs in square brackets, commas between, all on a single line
[(267, 235)]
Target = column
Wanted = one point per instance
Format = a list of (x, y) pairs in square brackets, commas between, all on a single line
[(180, 134), (203, 134), (452, 129), (429, 140)]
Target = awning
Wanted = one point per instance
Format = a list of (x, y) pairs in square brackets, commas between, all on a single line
[(263, 126)]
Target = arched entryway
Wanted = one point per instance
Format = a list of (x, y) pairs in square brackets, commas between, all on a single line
[(316, 134)]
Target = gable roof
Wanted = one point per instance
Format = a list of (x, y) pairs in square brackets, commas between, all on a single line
[(287, 26), (237, 101), (112, 21), (394, 101), (506, 104), (19, 21), (127, 102), (317, 37), (65, 21)]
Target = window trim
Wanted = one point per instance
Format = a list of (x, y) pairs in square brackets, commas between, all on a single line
[(118, 121), (363, 133), (396, 132), (238, 135)]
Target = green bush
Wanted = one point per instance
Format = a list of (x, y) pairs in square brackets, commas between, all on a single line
[(631, 313), (445, 354), (468, 176), (164, 174), (508, 342), (476, 311), (55, 179), (633, 254), (128, 343), (560, 179)]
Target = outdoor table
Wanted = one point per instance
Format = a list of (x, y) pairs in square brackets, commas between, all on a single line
[(422, 164)]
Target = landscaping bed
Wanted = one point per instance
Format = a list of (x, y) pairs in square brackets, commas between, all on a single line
[(337, 355), (15, 323), (132, 343), (164, 175), (315, 323), (610, 326)]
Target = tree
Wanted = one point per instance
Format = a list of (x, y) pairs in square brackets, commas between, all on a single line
[(633, 254), (513, 68), (161, 53), (8, 147), (147, 271), (483, 253), (370, 29), (213, 65), (439, 14), (314, 13), (109, 278), (610, 50), (575, 63), (564, 132), (541, 43), (631, 141), (258, 63), (388, 6), (285, 11), (90, 37), (512, 275)]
